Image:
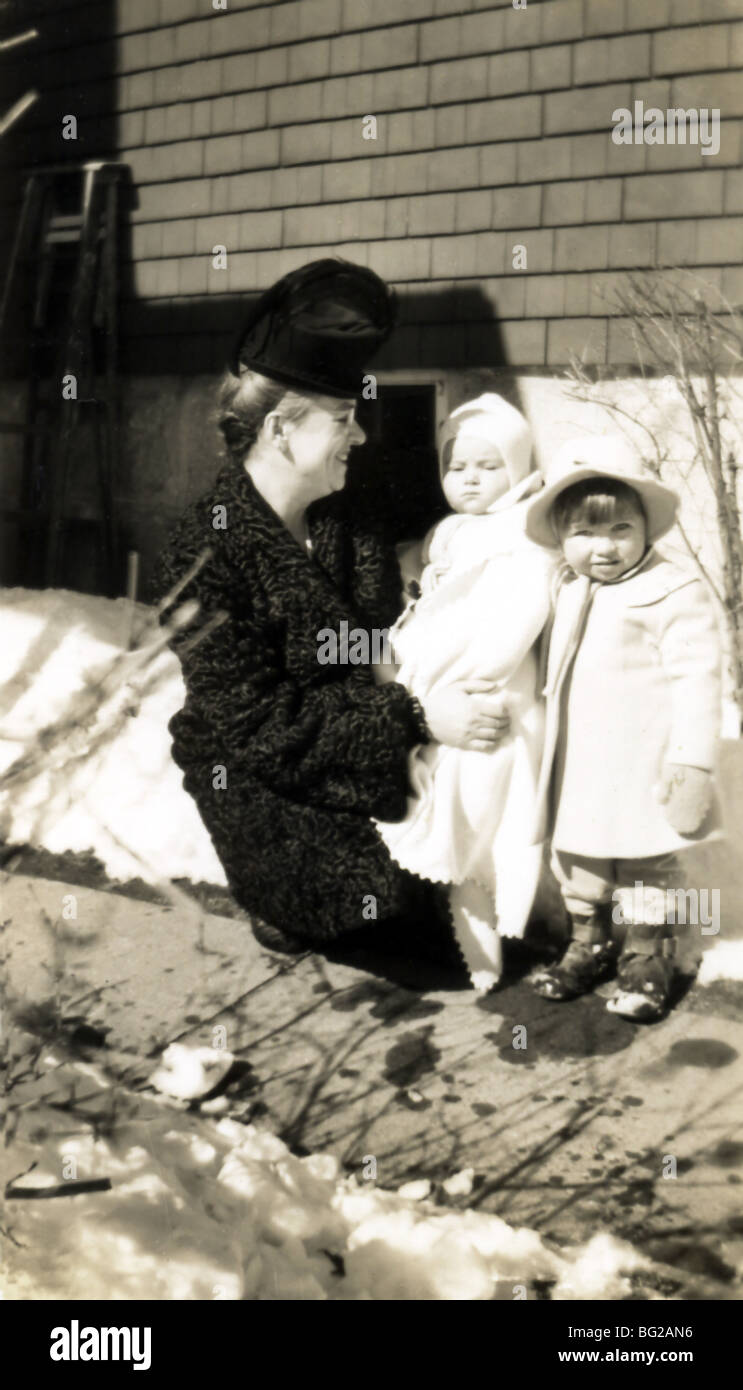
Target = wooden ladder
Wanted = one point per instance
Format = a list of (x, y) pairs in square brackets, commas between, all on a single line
[(68, 223)]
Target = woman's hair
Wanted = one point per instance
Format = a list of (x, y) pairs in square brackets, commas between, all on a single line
[(593, 501), (244, 402)]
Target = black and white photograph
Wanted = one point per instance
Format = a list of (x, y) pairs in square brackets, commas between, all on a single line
[(371, 665)]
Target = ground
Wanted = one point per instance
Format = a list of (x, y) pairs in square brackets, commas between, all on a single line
[(591, 1157), (596, 1125)]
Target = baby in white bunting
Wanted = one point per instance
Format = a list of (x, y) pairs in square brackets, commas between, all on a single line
[(481, 603)]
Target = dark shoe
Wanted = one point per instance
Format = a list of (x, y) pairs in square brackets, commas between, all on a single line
[(582, 966), (276, 939), (645, 986)]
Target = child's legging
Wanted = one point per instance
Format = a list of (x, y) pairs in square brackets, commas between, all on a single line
[(637, 887)]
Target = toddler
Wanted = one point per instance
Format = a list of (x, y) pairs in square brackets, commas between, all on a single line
[(633, 713), (480, 605)]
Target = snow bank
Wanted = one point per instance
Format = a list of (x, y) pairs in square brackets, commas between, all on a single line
[(125, 803), (200, 1209)]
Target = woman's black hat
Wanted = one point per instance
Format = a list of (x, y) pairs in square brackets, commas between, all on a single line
[(317, 327)]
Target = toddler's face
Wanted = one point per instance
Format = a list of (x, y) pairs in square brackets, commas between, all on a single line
[(476, 476), (605, 549)]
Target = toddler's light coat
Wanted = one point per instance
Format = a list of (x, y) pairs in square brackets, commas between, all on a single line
[(631, 683)]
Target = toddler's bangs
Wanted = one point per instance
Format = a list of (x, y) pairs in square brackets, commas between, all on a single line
[(594, 502)]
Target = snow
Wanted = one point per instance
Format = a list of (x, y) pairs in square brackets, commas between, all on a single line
[(723, 961), (126, 802), (187, 1072), (202, 1209), (460, 1184), (416, 1190)]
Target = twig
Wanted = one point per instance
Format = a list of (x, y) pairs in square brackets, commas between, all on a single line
[(72, 1188), (9, 1236), (177, 898), (132, 578), (177, 589), (86, 706), (18, 109), (206, 631), (685, 325), (16, 39)]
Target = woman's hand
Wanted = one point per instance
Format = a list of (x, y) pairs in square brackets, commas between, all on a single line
[(468, 714)]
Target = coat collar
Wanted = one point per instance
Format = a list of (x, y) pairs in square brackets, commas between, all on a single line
[(255, 536), (353, 569), (649, 581), (658, 580), (565, 629)]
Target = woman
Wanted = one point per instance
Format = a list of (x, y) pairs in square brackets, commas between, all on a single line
[(289, 757)]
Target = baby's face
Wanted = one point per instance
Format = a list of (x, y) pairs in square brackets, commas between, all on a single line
[(476, 476), (605, 549)]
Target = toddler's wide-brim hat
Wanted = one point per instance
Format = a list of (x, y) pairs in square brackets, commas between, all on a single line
[(603, 456), (317, 328)]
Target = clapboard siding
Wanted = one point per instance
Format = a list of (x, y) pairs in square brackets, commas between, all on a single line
[(244, 128)]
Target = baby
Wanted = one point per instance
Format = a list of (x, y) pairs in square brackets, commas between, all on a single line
[(633, 713), (482, 601)]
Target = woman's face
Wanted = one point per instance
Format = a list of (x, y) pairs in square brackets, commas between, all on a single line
[(321, 441), (476, 476)]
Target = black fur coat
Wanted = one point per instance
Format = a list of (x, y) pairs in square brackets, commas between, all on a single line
[(311, 752)]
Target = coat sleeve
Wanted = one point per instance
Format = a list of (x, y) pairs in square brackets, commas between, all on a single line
[(689, 642), (337, 742)]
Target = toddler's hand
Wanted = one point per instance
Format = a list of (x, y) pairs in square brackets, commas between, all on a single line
[(686, 794)]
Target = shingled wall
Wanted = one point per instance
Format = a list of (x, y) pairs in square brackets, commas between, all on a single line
[(244, 127)]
